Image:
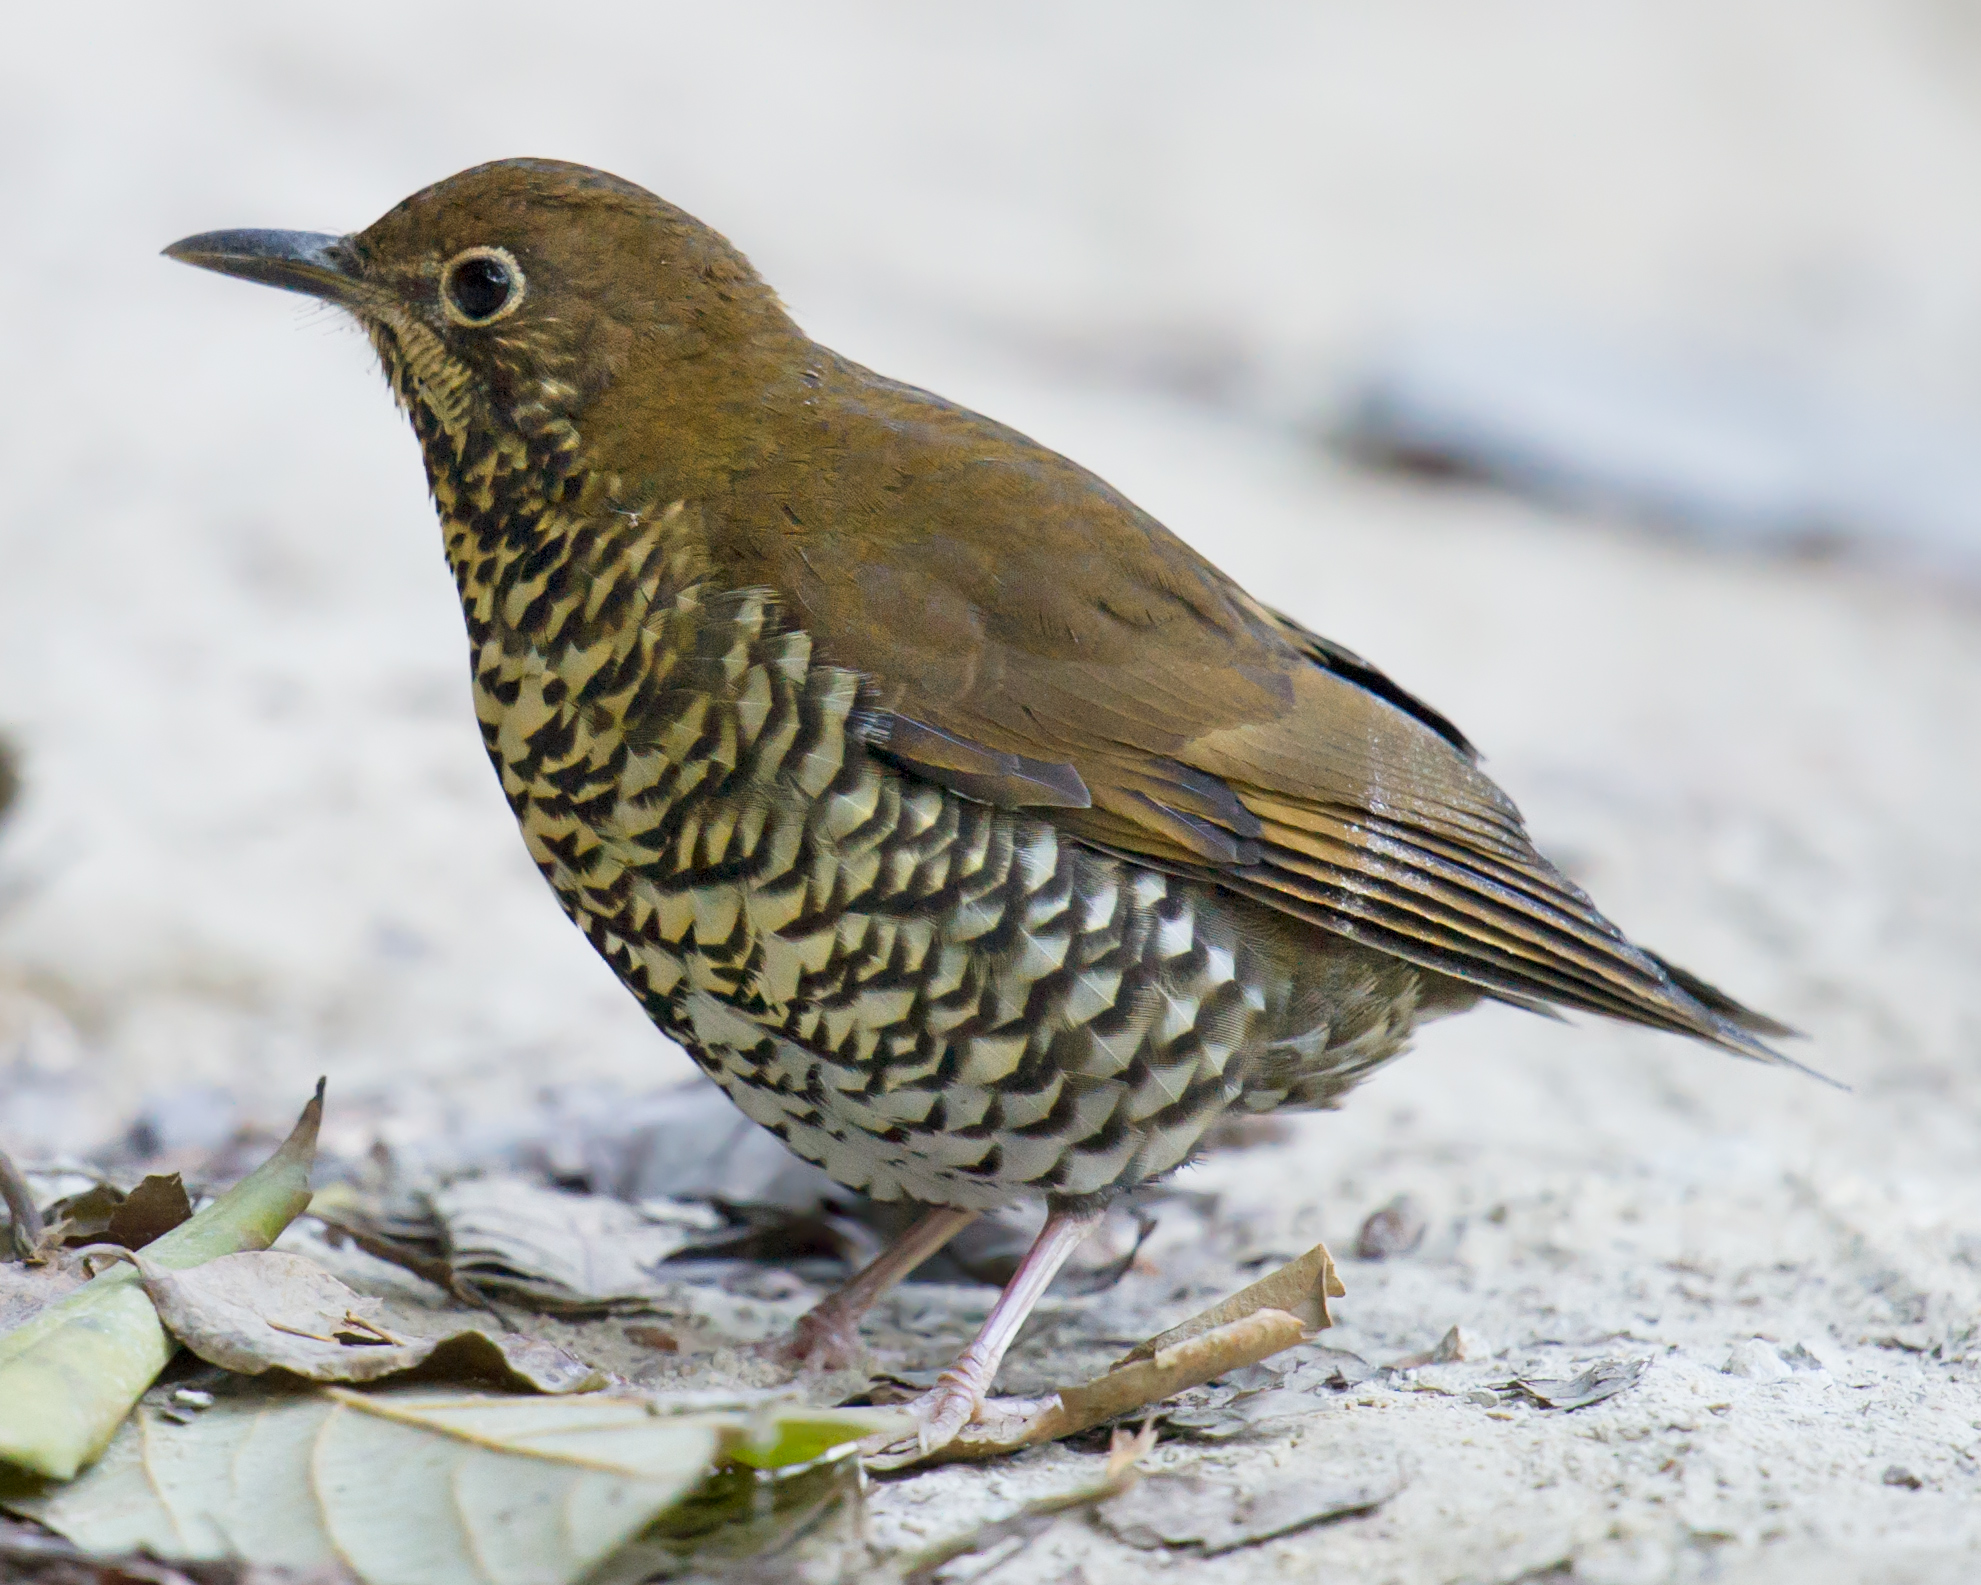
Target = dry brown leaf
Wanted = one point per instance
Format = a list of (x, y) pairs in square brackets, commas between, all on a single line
[(105, 1214), (506, 1238), (551, 1249), (1280, 1310), (1301, 1288), (1604, 1379), (78, 1219), (269, 1310), (149, 1211)]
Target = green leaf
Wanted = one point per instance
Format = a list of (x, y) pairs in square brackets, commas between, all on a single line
[(796, 1435), (70, 1375), (416, 1488)]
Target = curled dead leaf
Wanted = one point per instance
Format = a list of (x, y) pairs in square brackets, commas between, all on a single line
[(150, 1211), (1301, 1288), (105, 1214), (1282, 1309)]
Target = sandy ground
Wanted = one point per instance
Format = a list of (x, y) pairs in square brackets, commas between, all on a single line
[(260, 841)]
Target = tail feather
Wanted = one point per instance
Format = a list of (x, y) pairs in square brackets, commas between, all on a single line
[(1731, 1025), (1717, 1001)]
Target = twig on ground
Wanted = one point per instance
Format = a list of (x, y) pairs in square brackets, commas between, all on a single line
[(1032, 1521), (25, 1215)]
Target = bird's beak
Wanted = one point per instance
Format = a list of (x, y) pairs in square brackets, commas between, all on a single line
[(296, 261)]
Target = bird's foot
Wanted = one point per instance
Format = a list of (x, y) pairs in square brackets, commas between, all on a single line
[(944, 1410), (822, 1339), (959, 1394), (937, 1416), (827, 1336)]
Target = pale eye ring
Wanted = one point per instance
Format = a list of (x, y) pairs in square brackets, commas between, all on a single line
[(478, 286)]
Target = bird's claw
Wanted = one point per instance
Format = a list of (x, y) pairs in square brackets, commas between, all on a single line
[(939, 1415), (943, 1411)]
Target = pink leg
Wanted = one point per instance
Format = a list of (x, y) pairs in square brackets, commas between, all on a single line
[(828, 1335), (951, 1403)]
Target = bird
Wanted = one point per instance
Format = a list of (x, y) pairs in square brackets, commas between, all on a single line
[(981, 839)]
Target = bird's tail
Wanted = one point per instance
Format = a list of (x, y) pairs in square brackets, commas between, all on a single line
[(1732, 1025)]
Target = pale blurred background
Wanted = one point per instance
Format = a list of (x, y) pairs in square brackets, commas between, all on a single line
[(1669, 312), (1178, 242)]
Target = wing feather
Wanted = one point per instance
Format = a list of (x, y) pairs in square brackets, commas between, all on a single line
[(1041, 642)]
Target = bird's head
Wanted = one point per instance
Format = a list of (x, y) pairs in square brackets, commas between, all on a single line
[(516, 295)]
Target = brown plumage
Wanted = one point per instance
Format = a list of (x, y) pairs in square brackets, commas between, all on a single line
[(970, 829)]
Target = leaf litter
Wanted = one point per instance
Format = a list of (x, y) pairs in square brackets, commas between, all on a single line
[(35, 1555), (271, 1310), (504, 1238), (568, 1251), (71, 1373), (283, 1317), (419, 1486), (1604, 1379), (103, 1214)]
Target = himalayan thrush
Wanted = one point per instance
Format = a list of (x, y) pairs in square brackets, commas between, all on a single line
[(975, 834)]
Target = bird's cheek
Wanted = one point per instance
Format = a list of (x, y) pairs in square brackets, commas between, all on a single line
[(607, 350), (505, 387)]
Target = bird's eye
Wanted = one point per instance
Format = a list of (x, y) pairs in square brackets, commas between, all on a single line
[(481, 286)]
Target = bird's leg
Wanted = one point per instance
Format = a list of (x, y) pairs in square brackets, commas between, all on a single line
[(953, 1401), (828, 1334)]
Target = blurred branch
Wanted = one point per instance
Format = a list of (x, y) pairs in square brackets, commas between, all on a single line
[(10, 776), (14, 1190)]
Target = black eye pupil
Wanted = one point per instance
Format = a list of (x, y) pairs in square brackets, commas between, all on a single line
[(479, 287)]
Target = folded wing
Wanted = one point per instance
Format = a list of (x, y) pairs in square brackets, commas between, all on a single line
[(1037, 641)]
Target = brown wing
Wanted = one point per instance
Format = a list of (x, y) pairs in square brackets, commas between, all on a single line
[(1036, 640)]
